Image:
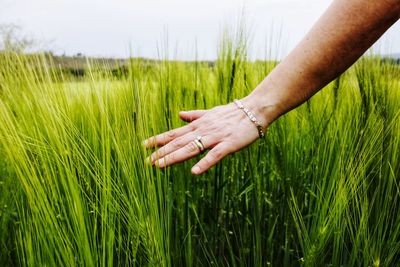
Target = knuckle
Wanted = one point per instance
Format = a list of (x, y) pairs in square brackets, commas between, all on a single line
[(216, 154), (208, 160), (170, 135), (170, 158), (193, 126), (191, 147), (177, 143)]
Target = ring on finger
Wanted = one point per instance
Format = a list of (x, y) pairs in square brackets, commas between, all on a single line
[(199, 143)]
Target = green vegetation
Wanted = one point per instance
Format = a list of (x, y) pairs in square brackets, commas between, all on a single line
[(321, 190)]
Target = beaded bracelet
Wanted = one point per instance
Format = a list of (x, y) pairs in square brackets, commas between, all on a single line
[(251, 116)]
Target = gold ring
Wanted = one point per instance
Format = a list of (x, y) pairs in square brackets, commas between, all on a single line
[(198, 143)]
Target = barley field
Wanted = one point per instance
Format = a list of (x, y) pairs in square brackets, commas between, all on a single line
[(322, 189)]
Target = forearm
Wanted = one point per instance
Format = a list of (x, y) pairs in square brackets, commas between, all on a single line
[(344, 32)]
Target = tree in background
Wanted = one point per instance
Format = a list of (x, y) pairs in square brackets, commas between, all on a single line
[(13, 39)]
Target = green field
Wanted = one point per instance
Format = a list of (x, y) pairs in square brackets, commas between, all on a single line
[(321, 190)]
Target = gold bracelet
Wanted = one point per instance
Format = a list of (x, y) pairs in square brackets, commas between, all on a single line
[(251, 117)]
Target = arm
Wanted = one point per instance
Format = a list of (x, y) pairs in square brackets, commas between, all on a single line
[(337, 40), (346, 30)]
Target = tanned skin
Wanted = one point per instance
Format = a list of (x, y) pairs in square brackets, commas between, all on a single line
[(341, 36)]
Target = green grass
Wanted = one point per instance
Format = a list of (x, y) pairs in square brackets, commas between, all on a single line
[(321, 190)]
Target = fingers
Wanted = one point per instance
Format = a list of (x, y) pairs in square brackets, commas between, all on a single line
[(165, 138), (213, 157), (191, 115), (171, 147), (188, 151)]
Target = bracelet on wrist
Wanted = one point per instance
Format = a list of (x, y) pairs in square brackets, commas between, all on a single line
[(251, 117)]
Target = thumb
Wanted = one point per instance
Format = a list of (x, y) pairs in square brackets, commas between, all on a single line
[(192, 115)]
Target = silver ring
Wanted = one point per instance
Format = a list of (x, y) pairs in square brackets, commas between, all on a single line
[(199, 143)]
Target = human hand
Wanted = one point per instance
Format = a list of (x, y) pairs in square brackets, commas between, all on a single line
[(223, 130)]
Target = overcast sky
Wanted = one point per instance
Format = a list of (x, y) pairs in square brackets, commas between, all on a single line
[(122, 28)]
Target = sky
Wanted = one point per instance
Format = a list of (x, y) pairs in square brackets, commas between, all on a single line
[(187, 29)]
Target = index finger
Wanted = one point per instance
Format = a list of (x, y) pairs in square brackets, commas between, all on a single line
[(165, 138)]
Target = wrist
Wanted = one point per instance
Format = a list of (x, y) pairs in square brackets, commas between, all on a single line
[(264, 104)]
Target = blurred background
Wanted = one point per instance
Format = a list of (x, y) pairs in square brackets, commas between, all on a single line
[(187, 29)]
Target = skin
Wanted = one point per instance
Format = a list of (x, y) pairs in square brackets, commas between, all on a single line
[(341, 36)]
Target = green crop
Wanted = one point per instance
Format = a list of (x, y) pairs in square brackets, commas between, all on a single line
[(321, 190)]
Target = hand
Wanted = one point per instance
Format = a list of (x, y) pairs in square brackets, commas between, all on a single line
[(223, 130)]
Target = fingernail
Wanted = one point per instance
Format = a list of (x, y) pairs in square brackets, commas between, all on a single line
[(145, 142), (196, 170)]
